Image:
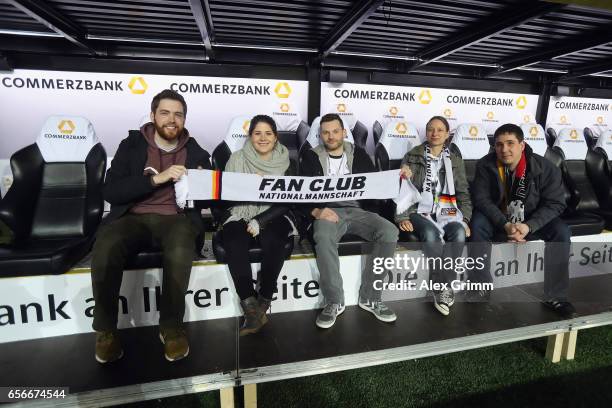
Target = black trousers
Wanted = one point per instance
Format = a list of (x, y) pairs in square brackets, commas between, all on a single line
[(126, 236), (556, 234), (237, 241)]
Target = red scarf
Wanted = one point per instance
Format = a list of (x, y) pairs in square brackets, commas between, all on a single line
[(513, 203)]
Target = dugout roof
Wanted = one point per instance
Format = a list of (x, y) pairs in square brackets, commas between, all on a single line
[(511, 39)]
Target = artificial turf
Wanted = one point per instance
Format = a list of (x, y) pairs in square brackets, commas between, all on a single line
[(509, 375)]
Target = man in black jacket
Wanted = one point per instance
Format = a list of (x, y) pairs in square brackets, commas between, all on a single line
[(518, 196), (140, 188), (334, 158)]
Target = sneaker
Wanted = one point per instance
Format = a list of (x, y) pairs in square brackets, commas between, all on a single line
[(443, 300), (327, 317), (175, 343), (378, 309), (562, 308), (108, 347)]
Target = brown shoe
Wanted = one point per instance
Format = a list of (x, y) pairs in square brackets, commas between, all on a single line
[(108, 347), (176, 345), (254, 318)]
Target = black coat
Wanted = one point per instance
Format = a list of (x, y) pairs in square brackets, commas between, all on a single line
[(125, 184), (545, 198)]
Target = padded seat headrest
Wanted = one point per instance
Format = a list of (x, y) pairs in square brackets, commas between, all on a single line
[(286, 119), (535, 137), (237, 133), (392, 114), (599, 128), (398, 138), (605, 143), (66, 139), (572, 143), (313, 135), (471, 140), (348, 117)]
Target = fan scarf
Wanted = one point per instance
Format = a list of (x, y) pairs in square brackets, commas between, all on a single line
[(217, 185), (514, 200), (444, 207)]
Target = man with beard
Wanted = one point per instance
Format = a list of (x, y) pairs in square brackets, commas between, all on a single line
[(140, 188), (336, 157)]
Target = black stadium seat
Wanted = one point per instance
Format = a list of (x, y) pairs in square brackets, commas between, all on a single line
[(377, 130), (590, 137), (570, 153), (551, 136), (599, 170), (289, 136), (290, 140), (302, 133), (234, 140), (55, 204), (360, 134)]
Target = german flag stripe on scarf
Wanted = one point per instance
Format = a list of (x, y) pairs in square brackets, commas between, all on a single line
[(216, 185), (447, 199)]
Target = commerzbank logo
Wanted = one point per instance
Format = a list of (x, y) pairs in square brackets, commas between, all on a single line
[(526, 119), (393, 111), (138, 85), (521, 102), (574, 134), (425, 96), (600, 120), (282, 90), (401, 128), (473, 131), (533, 131), (341, 108), (245, 126), (490, 117), (66, 127), (448, 112), (563, 119), (284, 107)]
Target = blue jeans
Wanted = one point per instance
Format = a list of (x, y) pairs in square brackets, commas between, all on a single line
[(433, 247), (556, 257)]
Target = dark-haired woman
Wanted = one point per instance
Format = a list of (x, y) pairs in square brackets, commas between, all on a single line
[(270, 224), (440, 219)]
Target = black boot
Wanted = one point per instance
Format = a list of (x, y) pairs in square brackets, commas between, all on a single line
[(254, 319), (264, 304)]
